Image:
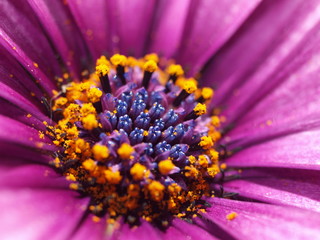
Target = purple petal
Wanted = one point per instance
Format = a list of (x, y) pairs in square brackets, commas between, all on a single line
[(168, 26), (299, 150), (31, 176), (27, 43), (133, 20), (209, 25), (62, 31), (278, 53), (94, 24), (38, 213), (263, 221), (279, 186), (15, 132)]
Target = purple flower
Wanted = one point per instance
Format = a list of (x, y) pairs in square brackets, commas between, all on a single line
[(260, 56)]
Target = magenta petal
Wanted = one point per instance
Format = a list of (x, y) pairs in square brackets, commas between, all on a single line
[(133, 20), (168, 26), (209, 25), (39, 213), (57, 22), (31, 176), (96, 29), (300, 150), (144, 231), (192, 231), (15, 132), (263, 221), (27, 43), (278, 191), (279, 53)]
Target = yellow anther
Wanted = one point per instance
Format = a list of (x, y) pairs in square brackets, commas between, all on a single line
[(203, 161), (112, 177), (133, 190), (102, 70), (102, 61), (191, 172), (189, 86), (215, 121), (89, 165), (207, 93), (152, 56), (71, 177), (214, 155), (156, 190), (174, 189), (100, 152), (72, 133), (118, 59), (94, 95), (150, 66), (231, 216), (96, 219), (138, 171), (132, 62), (175, 69), (86, 109), (200, 109), (90, 122), (192, 159), (61, 101), (206, 142), (166, 166), (213, 170), (125, 151)]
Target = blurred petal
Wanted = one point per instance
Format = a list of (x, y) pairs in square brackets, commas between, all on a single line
[(209, 25), (93, 21), (263, 221), (168, 26), (39, 213), (133, 21)]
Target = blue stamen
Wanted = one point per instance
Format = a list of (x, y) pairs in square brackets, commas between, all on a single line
[(121, 108), (137, 107), (170, 118), (142, 121), (156, 111), (153, 134), (125, 123), (136, 136), (162, 147)]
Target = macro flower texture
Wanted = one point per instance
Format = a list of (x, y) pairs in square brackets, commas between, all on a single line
[(159, 119)]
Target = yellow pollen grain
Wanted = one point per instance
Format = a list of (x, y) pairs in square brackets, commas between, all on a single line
[(41, 135), (150, 66), (200, 109), (73, 186), (29, 115), (203, 161), (207, 93), (223, 166), (112, 177), (94, 95), (96, 219), (138, 171), (35, 64), (118, 59), (189, 86), (89, 165), (102, 70), (231, 216), (100, 152), (166, 166), (215, 121), (90, 122), (125, 151), (156, 190), (175, 69), (206, 142), (71, 177), (86, 109), (102, 61), (152, 56)]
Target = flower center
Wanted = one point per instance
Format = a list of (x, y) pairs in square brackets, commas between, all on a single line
[(137, 140)]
